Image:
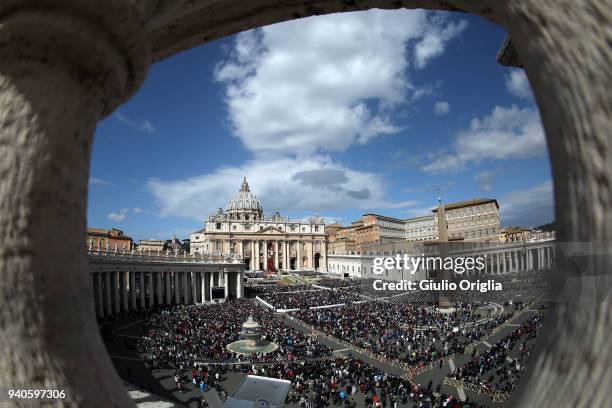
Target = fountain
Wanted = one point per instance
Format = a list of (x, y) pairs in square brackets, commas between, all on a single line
[(251, 340)]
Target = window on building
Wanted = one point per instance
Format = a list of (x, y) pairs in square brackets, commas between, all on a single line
[(218, 226)]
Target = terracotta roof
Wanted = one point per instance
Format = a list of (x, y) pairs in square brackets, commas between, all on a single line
[(468, 203)]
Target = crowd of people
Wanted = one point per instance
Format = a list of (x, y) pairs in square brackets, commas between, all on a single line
[(495, 369), (412, 333), (179, 336), (404, 328), (342, 382)]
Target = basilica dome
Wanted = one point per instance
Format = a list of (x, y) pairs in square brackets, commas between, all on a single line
[(244, 202)]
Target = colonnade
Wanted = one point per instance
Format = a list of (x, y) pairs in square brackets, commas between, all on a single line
[(514, 259), (119, 291)]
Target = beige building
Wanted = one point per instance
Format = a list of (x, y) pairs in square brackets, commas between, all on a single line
[(422, 228), (370, 229), (264, 243), (113, 239), (342, 240), (472, 220), (152, 245)]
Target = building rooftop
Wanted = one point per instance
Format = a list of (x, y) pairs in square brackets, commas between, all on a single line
[(384, 217), (514, 230), (468, 203), (419, 218)]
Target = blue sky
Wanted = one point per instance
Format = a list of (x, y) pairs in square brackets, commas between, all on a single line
[(338, 115)]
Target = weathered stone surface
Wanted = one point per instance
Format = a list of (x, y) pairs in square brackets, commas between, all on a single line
[(65, 64)]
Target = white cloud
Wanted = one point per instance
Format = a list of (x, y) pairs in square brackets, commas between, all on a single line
[(507, 133), (282, 184), (441, 108), (419, 212), (528, 207), (119, 215), (123, 213), (324, 83), (484, 179), (99, 182), (435, 39), (142, 126), (518, 84)]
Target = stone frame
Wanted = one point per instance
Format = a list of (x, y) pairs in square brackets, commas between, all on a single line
[(66, 64)]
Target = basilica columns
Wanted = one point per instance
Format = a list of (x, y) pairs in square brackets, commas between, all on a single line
[(257, 245), (298, 263), (286, 256), (265, 254), (276, 255)]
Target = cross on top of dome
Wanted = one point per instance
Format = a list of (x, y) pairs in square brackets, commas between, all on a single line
[(244, 186)]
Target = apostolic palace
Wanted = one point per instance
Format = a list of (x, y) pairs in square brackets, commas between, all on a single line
[(264, 243)]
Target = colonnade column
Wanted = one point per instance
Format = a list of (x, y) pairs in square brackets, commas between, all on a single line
[(125, 276), (151, 290), (167, 282), (185, 288), (142, 294), (63, 67), (158, 288), (177, 293), (116, 300), (197, 282), (99, 299), (132, 290), (193, 278), (107, 294), (210, 285), (226, 283)]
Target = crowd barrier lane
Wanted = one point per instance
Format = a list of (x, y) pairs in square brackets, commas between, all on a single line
[(326, 306), (496, 396), (469, 349), (263, 302), (409, 372)]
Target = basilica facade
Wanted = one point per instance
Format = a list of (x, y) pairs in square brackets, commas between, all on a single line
[(272, 243)]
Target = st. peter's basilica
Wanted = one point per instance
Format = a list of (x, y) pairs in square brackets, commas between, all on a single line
[(264, 243)]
